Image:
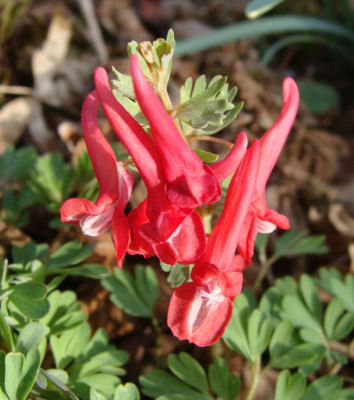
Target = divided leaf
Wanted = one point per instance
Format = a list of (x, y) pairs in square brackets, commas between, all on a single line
[(207, 108), (136, 296)]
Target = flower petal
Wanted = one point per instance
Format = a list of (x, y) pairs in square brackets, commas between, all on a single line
[(273, 140), (186, 245), (222, 169), (224, 238), (192, 317), (120, 234), (73, 210), (137, 142), (191, 183), (101, 154)]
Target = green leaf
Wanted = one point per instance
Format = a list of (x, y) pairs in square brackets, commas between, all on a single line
[(189, 371), (225, 385), (30, 336), (6, 334), (178, 273), (332, 281), (262, 27), (310, 296), (259, 332), (256, 8), (30, 299), (280, 342), (135, 296), (16, 164), (290, 387), (2, 375), (235, 335), (158, 383), (206, 156), (13, 367), (95, 395), (103, 383), (270, 305), (69, 254), (51, 387), (207, 108), (319, 97), (65, 312), (344, 326), (298, 356), (69, 345), (127, 392), (297, 243), (333, 312), (52, 180), (322, 388), (29, 252), (28, 374), (94, 271), (295, 311)]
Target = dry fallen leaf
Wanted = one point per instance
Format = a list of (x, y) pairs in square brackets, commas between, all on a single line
[(60, 80), (19, 114)]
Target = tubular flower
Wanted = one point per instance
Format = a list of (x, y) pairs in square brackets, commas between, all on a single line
[(200, 310), (115, 184), (189, 183), (260, 218), (159, 227)]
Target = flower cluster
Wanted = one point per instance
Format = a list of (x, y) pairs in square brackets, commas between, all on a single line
[(166, 224)]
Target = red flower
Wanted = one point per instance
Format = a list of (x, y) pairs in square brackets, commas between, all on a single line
[(260, 218), (158, 225), (200, 310), (115, 184), (189, 183)]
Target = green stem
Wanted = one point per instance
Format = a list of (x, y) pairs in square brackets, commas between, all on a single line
[(158, 352), (256, 375), (265, 266), (4, 270)]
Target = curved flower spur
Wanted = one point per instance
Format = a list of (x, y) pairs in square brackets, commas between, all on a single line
[(115, 184), (159, 226), (260, 218), (200, 310)]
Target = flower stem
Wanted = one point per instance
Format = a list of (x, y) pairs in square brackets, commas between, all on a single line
[(265, 265), (256, 375)]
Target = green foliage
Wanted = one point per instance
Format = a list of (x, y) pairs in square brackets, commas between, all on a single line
[(207, 108), (33, 261), (177, 274), (64, 312), (224, 384), (293, 325), (319, 97), (298, 243), (343, 289), (290, 387), (155, 60), (15, 166), (256, 8), (263, 27), (18, 374), (52, 181), (136, 296), (189, 381), (27, 179), (91, 362), (126, 392), (29, 299)]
